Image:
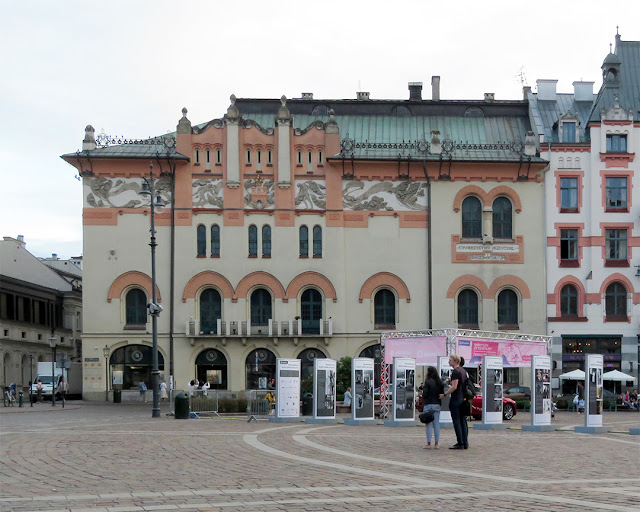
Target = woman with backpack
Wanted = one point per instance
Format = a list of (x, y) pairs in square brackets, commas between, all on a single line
[(431, 392)]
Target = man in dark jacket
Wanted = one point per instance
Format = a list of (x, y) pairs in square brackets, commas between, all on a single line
[(458, 382)]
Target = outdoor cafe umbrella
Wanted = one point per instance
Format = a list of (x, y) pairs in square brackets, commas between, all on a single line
[(574, 375), (618, 376)]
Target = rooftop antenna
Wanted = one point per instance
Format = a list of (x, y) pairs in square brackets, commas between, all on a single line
[(521, 76)]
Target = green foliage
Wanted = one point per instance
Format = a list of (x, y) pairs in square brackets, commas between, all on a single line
[(232, 405), (562, 403), (343, 378), (522, 403)]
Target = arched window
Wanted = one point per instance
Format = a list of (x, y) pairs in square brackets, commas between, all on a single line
[(306, 361), (260, 307), (202, 241), (471, 218), (269, 157), (196, 156), (568, 300), (136, 307), (260, 367), (134, 364), (218, 156), (207, 154), (304, 242), (468, 308), (259, 156), (616, 302), (384, 304), (215, 240), (311, 311), (299, 157), (507, 308), (502, 218), (374, 352), (211, 367), (210, 311), (317, 242), (266, 241), (248, 157), (253, 241)]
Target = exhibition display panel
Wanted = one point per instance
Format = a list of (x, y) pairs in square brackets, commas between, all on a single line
[(444, 369), (492, 381), (593, 390), (404, 389), (287, 388), (324, 396), (541, 390), (362, 406)]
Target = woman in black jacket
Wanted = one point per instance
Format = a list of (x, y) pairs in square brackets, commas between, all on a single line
[(433, 387)]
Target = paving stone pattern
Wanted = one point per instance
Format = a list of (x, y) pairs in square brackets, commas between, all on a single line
[(116, 458)]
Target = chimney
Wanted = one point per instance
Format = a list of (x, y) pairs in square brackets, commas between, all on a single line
[(435, 88), (19, 240), (583, 91), (54, 256), (489, 97), (362, 96), (89, 142), (546, 89), (525, 92), (307, 95), (415, 91)]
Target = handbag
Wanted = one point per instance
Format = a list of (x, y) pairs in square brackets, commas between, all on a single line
[(426, 417)]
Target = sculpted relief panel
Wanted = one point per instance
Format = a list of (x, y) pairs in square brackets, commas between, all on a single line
[(311, 195), (384, 195), (207, 193), (121, 192), (259, 194)]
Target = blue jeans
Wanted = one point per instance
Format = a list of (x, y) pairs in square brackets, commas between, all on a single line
[(435, 424), (459, 421)]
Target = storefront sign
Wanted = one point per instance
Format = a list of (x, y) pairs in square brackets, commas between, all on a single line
[(362, 388), (492, 379), (593, 391), (324, 380), (287, 388), (445, 375), (541, 390), (404, 389)]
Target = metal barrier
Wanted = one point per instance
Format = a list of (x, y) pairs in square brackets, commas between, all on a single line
[(260, 403), (203, 401)]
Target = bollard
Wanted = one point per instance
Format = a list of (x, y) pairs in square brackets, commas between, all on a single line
[(20, 399)]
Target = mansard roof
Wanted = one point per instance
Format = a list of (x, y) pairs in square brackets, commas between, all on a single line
[(545, 115)]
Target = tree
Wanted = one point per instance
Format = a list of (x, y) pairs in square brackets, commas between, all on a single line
[(343, 377)]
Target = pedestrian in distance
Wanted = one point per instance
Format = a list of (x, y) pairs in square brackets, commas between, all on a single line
[(347, 397), (39, 390), (431, 391), (63, 387), (458, 383), (163, 390), (142, 387)]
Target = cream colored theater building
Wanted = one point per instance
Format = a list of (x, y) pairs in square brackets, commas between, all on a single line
[(303, 228)]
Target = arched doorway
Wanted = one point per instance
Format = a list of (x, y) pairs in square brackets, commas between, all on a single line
[(260, 369), (211, 367), (132, 364), (311, 311), (210, 311), (307, 357), (260, 307), (374, 352)]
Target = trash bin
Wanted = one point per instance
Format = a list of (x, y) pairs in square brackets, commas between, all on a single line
[(117, 396), (182, 407)]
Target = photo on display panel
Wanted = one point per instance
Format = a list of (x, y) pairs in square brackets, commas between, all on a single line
[(595, 391), (497, 393), (363, 393), (497, 376), (539, 392), (497, 405)]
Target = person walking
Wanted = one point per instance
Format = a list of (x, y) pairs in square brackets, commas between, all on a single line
[(431, 392), (142, 387), (163, 390), (458, 382), (347, 397), (62, 388), (39, 389)]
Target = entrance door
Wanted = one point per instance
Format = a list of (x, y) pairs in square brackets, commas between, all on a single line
[(311, 311)]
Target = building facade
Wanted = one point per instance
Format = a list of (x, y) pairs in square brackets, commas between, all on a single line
[(36, 303), (592, 214), (303, 228)]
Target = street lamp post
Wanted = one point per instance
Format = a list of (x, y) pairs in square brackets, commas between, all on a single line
[(31, 379), (148, 189), (52, 344), (105, 351)]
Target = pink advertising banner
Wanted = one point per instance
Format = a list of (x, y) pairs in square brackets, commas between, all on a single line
[(514, 353), (424, 350)]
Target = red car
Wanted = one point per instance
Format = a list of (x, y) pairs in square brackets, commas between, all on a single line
[(508, 408)]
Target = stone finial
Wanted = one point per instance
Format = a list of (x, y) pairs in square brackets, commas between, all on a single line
[(436, 144), (89, 142), (232, 111), (331, 125), (283, 111), (184, 125), (530, 144)]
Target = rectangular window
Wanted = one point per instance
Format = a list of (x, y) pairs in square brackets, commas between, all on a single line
[(616, 195), (569, 193), (616, 143), (616, 245), (569, 247), (568, 132)]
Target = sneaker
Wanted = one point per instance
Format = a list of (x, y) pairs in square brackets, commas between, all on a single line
[(426, 447), (436, 447)]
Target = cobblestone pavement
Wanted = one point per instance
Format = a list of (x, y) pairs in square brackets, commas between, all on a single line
[(116, 458)]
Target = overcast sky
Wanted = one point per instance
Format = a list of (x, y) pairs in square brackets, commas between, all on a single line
[(128, 68)]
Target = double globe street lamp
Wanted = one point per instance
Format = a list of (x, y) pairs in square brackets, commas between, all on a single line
[(148, 189)]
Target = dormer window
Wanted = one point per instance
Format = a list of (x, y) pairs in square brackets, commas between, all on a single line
[(569, 132), (616, 143)]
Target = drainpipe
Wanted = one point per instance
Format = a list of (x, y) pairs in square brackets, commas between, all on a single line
[(172, 271), (429, 264)]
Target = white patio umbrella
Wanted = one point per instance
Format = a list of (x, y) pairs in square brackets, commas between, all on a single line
[(617, 375), (574, 375)]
